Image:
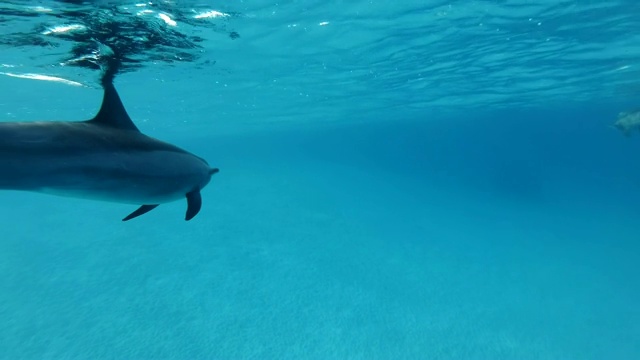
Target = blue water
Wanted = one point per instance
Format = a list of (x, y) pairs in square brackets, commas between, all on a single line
[(404, 182)]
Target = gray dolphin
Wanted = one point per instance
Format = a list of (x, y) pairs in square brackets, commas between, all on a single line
[(104, 158), (627, 122)]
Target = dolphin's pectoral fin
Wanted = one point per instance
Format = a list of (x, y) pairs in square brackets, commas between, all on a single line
[(141, 211), (194, 203)]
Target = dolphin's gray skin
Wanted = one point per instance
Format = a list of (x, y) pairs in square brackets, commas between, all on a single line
[(105, 158), (627, 121)]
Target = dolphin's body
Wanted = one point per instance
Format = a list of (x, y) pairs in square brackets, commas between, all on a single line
[(627, 122), (105, 158)]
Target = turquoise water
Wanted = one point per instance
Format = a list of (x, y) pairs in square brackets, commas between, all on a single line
[(432, 181)]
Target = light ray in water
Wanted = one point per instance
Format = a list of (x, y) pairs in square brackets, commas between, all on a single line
[(43, 77)]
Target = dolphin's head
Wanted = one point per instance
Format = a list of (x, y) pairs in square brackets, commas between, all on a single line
[(208, 176), (618, 125), (200, 170), (194, 199)]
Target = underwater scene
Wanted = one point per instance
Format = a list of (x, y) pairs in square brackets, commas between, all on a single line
[(320, 179)]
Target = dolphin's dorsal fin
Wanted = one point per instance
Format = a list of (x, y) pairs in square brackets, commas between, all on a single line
[(112, 112)]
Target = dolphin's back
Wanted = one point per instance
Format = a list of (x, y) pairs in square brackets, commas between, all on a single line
[(61, 137)]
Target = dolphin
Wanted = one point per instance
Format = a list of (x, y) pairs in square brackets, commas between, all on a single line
[(104, 158), (627, 122)]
